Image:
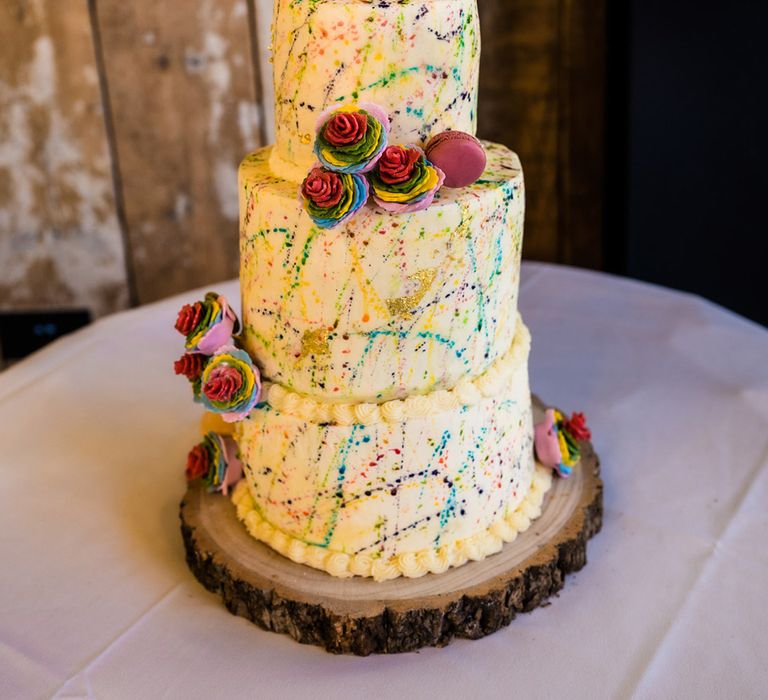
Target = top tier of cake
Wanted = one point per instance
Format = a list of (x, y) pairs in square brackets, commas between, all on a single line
[(420, 61)]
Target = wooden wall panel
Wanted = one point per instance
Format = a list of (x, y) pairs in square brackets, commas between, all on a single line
[(60, 242), (541, 92), (122, 124), (519, 104), (263, 10), (183, 96), (581, 162)]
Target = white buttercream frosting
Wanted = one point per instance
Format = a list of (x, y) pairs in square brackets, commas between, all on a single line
[(418, 60), (468, 392), (409, 564), (389, 488)]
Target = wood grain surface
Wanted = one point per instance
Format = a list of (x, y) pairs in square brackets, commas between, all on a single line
[(184, 103), (542, 93), (122, 124)]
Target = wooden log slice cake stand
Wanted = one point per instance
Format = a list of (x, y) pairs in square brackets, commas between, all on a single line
[(361, 616)]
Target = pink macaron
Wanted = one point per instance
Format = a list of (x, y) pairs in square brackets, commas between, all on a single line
[(459, 155)]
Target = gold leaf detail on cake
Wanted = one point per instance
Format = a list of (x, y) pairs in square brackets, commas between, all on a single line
[(315, 343), (402, 306)]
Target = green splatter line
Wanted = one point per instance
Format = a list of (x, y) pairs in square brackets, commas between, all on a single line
[(382, 82)]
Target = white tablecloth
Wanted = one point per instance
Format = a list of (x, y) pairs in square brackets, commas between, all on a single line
[(96, 599)]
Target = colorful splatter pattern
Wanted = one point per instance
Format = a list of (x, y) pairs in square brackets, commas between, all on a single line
[(387, 305), (386, 489), (418, 60)]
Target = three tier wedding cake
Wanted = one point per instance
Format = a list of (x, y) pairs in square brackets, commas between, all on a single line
[(377, 387)]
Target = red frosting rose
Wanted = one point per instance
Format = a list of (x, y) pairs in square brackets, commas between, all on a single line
[(189, 317), (396, 164), (345, 128), (223, 384), (191, 365), (577, 427), (323, 188), (197, 463)]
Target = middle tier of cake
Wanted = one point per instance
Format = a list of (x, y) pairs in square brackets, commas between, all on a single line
[(388, 305)]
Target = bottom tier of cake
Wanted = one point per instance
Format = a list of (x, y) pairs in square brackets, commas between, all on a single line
[(414, 487), (435, 559)]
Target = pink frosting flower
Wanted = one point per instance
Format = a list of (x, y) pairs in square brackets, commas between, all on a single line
[(397, 163), (230, 384), (207, 324), (216, 461), (345, 128), (188, 318), (547, 444), (191, 365), (557, 441), (223, 383), (323, 188), (331, 198), (350, 139), (577, 426), (404, 181), (198, 463)]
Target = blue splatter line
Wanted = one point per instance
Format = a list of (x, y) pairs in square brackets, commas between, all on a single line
[(450, 504), (318, 492), (342, 471), (483, 321), (403, 335)]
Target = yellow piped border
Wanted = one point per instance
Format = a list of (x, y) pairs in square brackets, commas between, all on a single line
[(468, 392), (409, 564)]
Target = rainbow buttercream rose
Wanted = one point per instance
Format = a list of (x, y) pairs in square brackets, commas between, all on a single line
[(230, 384), (351, 139), (404, 180), (556, 440), (331, 198), (215, 460), (207, 324)]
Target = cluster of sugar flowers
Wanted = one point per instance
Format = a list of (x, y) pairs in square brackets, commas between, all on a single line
[(354, 157), (557, 440), (223, 377)]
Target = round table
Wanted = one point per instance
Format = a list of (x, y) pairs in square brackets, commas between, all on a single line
[(97, 600)]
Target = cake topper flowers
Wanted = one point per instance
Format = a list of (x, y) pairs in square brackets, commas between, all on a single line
[(207, 324), (351, 139), (230, 384), (557, 440), (404, 180), (215, 460), (331, 198)]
